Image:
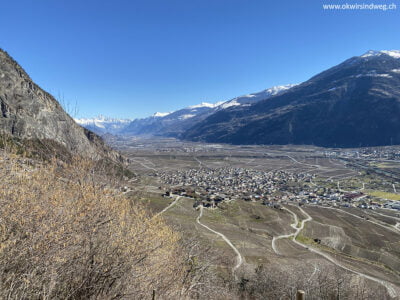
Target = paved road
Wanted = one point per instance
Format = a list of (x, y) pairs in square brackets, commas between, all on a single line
[(239, 258)]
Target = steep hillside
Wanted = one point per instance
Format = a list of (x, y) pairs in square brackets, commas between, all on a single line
[(356, 103), (29, 113)]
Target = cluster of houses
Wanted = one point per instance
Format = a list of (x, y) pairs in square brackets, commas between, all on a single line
[(390, 153), (211, 187), (392, 205)]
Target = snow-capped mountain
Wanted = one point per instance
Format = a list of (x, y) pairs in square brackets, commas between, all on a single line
[(392, 53), (255, 97), (353, 104), (161, 114), (206, 104), (102, 124), (174, 123), (171, 123)]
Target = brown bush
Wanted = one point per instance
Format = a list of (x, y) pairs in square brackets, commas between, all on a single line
[(328, 282), (64, 237)]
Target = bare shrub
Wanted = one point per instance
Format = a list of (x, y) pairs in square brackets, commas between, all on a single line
[(64, 237), (202, 279), (326, 282)]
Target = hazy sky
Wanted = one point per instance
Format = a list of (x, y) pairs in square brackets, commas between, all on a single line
[(132, 58)]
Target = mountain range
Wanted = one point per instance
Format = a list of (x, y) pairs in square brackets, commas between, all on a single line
[(174, 124), (353, 104), (356, 103), (102, 124)]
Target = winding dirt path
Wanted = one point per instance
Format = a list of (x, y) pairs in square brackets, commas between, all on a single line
[(314, 272), (354, 191), (391, 228), (239, 258), (306, 164), (201, 164), (391, 217), (144, 165), (285, 236), (168, 207), (391, 288)]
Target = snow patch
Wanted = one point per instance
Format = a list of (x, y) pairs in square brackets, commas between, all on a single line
[(384, 75), (279, 89), (392, 53), (229, 104), (161, 114), (99, 124), (205, 104), (380, 91), (103, 124), (188, 116), (252, 98), (374, 74), (100, 120)]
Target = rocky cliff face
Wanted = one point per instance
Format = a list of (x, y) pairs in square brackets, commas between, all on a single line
[(27, 112)]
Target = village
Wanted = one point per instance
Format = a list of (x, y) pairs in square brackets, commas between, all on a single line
[(211, 187), (374, 153)]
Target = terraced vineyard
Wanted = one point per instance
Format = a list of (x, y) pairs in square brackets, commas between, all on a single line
[(361, 245)]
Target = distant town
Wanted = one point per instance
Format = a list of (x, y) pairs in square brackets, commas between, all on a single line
[(210, 187)]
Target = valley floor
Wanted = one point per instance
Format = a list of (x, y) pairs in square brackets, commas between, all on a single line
[(300, 235)]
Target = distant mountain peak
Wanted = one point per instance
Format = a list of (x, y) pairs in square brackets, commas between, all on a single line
[(101, 119), (161, 114), (255, 97), (392, 53), (102, 124), (279, 89), (352, 104), (205, 104)]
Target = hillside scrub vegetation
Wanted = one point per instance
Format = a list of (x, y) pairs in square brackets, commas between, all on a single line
[(327, 282), (63, 236)]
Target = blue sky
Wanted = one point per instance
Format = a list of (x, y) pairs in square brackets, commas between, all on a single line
[(132, 58)]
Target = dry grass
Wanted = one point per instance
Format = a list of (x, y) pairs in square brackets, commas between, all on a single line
[(64, 237), (383, 195)]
